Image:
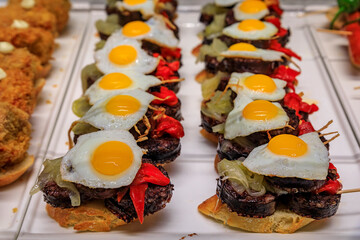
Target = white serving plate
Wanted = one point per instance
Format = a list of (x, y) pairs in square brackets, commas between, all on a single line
[(14, 198), (192, 173)]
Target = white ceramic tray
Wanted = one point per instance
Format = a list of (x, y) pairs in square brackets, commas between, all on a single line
[(344, 76), (192, 173), (14, 198)]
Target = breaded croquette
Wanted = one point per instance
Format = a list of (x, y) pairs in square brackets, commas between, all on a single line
[(60, 8), (40, 18), (38, 41), (22, 59), (15, 131), (19, 90)]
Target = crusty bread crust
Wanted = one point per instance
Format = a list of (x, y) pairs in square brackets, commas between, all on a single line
[(282, 221), (12, 173), (209, 136), (94, 217)]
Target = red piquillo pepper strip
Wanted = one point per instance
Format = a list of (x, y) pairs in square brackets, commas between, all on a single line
[(137, 195), (305, 127), (168, 125), (275, 45), (276, 8), (354, 39), (166, 96), (147, 173), (294, 101), (287, 74), (331, 187), (276, 21), (331, 166), (171, 53), (151, 174), (166, 70)]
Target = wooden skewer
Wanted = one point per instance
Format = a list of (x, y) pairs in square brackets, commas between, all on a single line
[(326, 126), (349, 191), (357, 88), (173, 80), (324, 134), (331, 139), (305, 14), (338, 32)]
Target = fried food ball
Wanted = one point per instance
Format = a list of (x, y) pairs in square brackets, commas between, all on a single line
[(38, 41), (40, 17), (60, 8), (19, 90), (15, 131), (22, 59)]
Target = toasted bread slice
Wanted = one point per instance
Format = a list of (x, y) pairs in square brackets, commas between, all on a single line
[(12, 173), (94, 217), (282, 221)]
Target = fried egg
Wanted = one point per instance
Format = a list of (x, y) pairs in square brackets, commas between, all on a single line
[(120, 54), (251, 29), (119, 82), (250, 116), (291, 156), (104, 159), (257, 86), (246, 50), (154, 30), (226, 3), (250, 10), (119, 110), (145, 7)]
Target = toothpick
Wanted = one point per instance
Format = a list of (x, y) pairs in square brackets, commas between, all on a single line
[(331, 139), (326, 126), (305, 14), (173, 80), (325, 134), (337, 32), (349, 191), (357, 88)]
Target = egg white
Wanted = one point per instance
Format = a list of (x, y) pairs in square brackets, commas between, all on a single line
[(240, 15), (267, 33), (143, 63), (76, 164), (98, 117), (140, 81), (146, 8), (159, 34), (240, 88), (238, 126), (312, 166), (263, 54)]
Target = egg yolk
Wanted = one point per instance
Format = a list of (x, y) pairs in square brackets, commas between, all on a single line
[(123, 55), (252, 6), (242, 47), (114, 81), (287, 145), (260, 110), (134, 2), (123, 105), (112, 158), (135, 28), (251, 25), (260, 83)]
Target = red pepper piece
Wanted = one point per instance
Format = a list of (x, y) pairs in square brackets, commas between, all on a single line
[(331, 187), (173, 53), (275, 45), (294, 101), (166, 70), (305, 127), (122, 193), (354, 38), (151, 174), (137, 195), (166, 96), (331, 166), (276, 8), (287, 74), (276, 21), (169, 125)]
